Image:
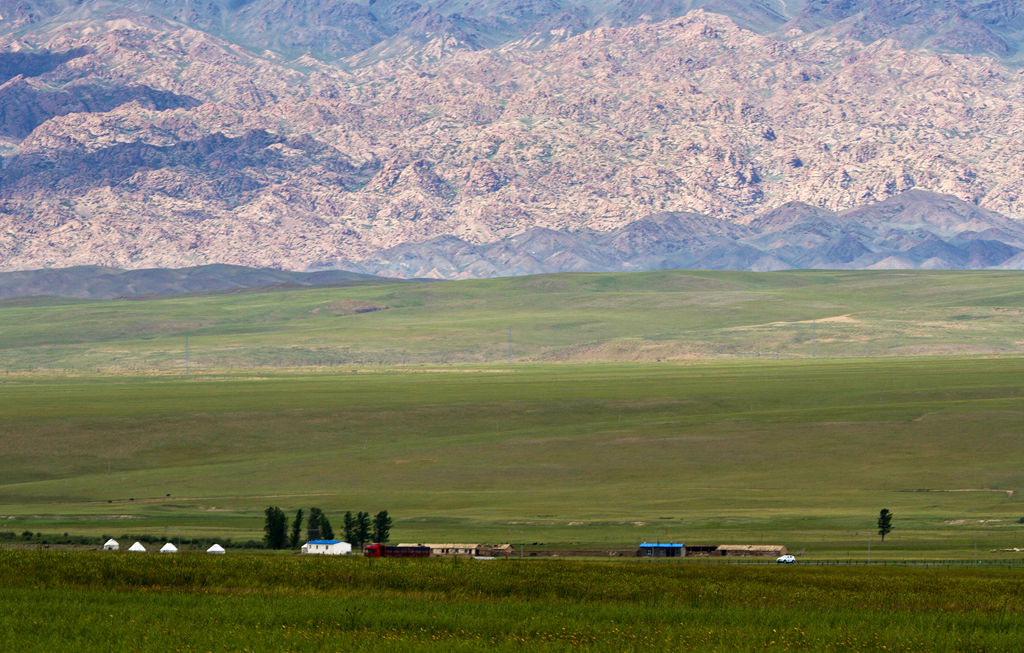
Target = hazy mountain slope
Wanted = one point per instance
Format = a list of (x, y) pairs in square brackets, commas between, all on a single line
[(367, 30), (993, 27), (913, 230), (333, 29), (107, 283)]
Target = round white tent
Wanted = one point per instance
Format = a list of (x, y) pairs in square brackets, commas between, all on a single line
[(137, 547), (111, 545), (216, 548), (168, 548)]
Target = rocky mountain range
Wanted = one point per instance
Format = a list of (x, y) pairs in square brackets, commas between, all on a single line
[(361, 31), (311, 134)]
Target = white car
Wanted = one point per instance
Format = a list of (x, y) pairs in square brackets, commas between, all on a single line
[(786, 559)]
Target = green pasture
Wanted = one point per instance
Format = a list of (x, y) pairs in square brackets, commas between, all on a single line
[(650, 316), (98, 601), (576, 456)]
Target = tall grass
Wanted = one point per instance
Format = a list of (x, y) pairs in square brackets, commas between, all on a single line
[(194, 602)]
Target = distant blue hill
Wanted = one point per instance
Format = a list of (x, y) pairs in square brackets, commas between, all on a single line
[(93, 282), (914, 230)]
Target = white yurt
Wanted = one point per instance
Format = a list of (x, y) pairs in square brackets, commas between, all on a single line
[(216, 548), (111, 545), (168, 548), (137, 547)]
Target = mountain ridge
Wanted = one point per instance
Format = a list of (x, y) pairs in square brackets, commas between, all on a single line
[(135, 140), (914, 230)]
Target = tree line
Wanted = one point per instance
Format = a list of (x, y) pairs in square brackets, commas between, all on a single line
[(358, 529)]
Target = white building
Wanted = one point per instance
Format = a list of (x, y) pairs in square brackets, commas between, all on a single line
[(168, 548), (137, 548), (327, 547), (217, 549), (111, 545)]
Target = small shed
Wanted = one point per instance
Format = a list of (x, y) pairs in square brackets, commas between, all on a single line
[(497, 550), (659, 550), (111, 545), (327, 547), (137, 548), (216, 549), (168, 548)]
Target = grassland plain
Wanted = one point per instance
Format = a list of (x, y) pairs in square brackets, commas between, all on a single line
[(800, 452), (650, 316), (97, 601)]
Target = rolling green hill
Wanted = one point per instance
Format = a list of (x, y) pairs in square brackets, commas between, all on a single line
[(669, 315)]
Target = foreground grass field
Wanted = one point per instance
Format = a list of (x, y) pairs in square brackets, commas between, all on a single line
[(100, 601), (801, 453)]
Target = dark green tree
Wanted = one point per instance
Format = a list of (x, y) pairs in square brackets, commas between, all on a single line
[(293, 538), (381, 526), (349, 526), (326, 531), (275, 528), (313, 524), (362, 534), (884, 523)]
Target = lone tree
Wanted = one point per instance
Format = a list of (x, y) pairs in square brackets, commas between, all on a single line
[(884, 523), (381, 526), (275, 528), (293, 537)]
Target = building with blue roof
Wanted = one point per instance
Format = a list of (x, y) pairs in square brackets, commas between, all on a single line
[(327, 547)]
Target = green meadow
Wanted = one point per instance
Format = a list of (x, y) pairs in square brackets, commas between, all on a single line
[(576, 412), (98, 601), (802, 453)]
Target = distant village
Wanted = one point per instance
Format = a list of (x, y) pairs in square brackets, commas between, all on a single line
[(371, 536), (490, 551)]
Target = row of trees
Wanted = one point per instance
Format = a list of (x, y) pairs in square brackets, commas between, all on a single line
[(358, 529)]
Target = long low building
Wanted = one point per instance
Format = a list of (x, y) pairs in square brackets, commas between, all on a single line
[(673, 550), (751, 550), (450, 549)]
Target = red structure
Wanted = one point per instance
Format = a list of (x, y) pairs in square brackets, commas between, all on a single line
[(379, 550)]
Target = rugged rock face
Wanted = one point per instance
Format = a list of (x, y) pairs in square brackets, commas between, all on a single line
[(130, 140)]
